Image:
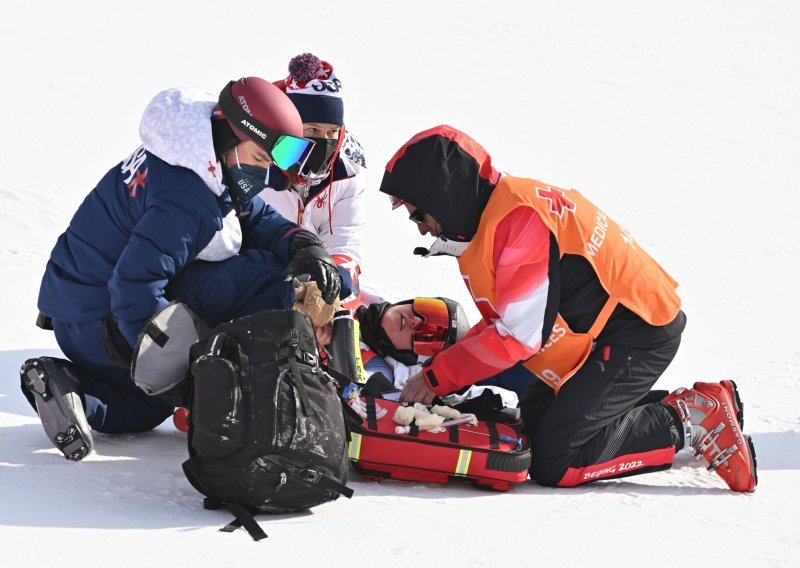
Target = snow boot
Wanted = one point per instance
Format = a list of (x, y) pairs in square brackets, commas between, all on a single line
[(711, 416), (57, 393)]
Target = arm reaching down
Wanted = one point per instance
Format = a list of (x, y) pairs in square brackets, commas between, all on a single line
[(521, 261)]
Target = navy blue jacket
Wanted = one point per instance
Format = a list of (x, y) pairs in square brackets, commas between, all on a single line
[(137, 229)]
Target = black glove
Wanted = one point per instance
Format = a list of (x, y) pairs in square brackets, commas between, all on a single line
[(308, 256)]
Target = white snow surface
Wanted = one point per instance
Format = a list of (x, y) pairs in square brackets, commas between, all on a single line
[(681, 119)]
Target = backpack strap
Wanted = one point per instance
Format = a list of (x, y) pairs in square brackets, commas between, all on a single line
[(325, 481), (453, 433), (494, 436), (343, 380), (244, 518), (372, 413), (293, 354), (317, 480), (312, 479), (232, 526), (297, 379), (223, 344), (212, 504)]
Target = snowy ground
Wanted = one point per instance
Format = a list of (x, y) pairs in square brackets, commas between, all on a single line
[(681, 119)]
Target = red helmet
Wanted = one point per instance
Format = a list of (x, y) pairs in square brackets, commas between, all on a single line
[(266, 103), (257, 110)]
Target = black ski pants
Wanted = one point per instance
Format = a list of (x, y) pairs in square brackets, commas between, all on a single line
[(605, 421)]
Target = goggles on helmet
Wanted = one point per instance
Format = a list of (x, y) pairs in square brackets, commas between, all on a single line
[(285, 150), (430, 336)]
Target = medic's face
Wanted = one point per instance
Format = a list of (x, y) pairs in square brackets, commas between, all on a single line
[(425, 222)]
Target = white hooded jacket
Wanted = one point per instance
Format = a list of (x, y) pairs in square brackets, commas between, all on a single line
[(176, 127)]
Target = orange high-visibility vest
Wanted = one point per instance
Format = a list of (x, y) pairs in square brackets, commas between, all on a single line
[(627, 273)]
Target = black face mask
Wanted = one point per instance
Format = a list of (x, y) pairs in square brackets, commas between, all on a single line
[(320, 158), (245, 181), (278, 180)]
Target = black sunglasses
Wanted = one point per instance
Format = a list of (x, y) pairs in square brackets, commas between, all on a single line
[(418, 216)]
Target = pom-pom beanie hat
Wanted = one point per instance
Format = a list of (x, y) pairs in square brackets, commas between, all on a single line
[(314, 89)]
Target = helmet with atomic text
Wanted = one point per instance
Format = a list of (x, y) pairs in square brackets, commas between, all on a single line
[(255, 109)]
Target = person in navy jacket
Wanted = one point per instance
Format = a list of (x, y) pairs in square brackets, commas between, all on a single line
[(177, 219)]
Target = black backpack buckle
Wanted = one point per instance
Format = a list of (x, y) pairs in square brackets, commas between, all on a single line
[(308, 358), (310, 476)]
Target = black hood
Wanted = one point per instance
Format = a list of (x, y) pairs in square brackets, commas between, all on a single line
[(445, 173)]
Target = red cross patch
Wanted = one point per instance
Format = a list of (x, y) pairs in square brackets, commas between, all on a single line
[(137, 181), (558, 201)]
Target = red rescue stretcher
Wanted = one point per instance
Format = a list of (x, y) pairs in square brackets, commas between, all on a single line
[(491, 455)]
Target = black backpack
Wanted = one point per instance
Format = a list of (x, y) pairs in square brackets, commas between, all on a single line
[(266, 432)]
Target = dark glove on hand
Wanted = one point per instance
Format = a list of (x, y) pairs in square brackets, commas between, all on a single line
[(310, 257)]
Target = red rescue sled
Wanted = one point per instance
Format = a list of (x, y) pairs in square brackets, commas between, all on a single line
[(491, 455)]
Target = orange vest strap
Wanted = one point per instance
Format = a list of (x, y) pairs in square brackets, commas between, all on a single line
[(602, 317)]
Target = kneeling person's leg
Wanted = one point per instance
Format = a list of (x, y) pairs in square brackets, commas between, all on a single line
[(239, 286), (597, 428), (113, 403)]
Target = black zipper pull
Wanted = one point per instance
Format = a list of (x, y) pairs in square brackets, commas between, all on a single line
[(281, 482)]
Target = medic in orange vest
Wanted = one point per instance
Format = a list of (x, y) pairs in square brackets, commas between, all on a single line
[(567, 291)]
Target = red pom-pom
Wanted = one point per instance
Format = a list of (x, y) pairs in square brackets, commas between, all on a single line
[(305, 67)]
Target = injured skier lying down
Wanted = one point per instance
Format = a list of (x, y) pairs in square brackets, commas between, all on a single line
[(397, 338)]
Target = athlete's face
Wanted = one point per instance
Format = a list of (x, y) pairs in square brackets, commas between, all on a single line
[(426, 224), (321, 130), (399, 322), (247, 152)]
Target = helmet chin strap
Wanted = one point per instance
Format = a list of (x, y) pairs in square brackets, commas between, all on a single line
[(443, 246)]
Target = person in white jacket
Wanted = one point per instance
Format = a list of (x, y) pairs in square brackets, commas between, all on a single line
[(327, 196)]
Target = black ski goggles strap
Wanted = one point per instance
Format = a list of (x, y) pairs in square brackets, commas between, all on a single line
[(285, 150)]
